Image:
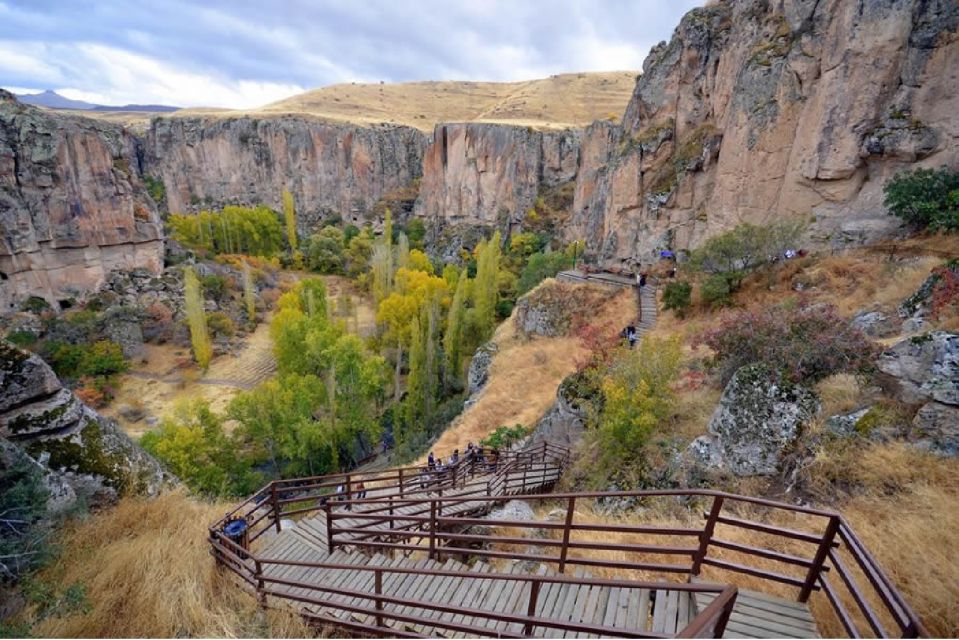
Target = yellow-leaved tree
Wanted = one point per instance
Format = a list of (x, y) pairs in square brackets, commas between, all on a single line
[(196, 317), (289, 215)]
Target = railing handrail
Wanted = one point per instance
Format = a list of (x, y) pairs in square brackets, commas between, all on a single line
[(530, 468)]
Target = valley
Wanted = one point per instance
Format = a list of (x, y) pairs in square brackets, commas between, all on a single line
[(203, 305)]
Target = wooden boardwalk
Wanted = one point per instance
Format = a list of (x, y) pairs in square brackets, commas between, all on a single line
[(427, 560)]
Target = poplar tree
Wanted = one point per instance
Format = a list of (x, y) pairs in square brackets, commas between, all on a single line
[(484, 288), (452, 339), (196, 318), (249, 293), (289, 214), (402, 252)]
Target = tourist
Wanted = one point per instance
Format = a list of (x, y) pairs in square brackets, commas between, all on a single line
[(631, 336), (642, 280), (455, 458), (424, 478), (431, 461), (360, 490)]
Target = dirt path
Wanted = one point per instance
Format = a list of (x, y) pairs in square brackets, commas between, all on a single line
[(157, 384)]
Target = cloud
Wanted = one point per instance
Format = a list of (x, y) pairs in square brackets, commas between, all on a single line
[(244, 53)]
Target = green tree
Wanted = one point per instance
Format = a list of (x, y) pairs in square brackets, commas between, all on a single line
[(249, 293), (194, 306), (485, 287), (325, 252), (925, 198), (453, 338), (745, 247), (358, 254), (541, 266), (677, 296), (255, 231), (194, 446), (289, 216)]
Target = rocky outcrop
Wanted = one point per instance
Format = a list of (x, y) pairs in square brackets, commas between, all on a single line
[(490, 175), (478, 374), (332, 169), (757, 419), (758, 110), (923, 371), (565, 422), (84, 456), (73, 205)]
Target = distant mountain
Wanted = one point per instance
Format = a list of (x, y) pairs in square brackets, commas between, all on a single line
[(53, 100)]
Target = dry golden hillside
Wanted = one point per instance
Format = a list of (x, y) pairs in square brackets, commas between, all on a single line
[(566, 100)]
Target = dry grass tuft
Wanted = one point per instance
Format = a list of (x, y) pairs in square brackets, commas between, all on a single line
[(147, 572)]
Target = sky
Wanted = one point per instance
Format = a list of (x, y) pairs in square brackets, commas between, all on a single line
[(247, 53)]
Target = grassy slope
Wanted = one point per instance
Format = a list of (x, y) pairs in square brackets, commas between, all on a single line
[(566, 100)]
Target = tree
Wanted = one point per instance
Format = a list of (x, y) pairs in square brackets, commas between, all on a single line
[(195, 447), (403, 252), (194, 306), (539, 267), (289, 215), (453, 338), (743, 248), (676, 296), (249, 293), (325, 252), (358, 254), (255, 231), (636, 398), (23, 504), (485, 289), (925, 198)]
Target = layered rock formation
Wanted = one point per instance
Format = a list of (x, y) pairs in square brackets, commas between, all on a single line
[(332, 169), (758, 110), (83, 455), (490, 175), (73, 205)]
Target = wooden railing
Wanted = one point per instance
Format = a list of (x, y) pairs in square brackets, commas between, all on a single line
[(821, 554), (560, 543), (474, 475)]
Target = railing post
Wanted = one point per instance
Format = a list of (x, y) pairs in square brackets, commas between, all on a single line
[(378, 590), (349, 493), (707, 535), (391, 512), (432, 529), (401, 482), (531, 608), (821, 554), (275, 503), (258, 576), (570, 508), (329, 526)]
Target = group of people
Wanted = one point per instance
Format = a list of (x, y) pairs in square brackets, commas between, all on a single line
[(474, 455)]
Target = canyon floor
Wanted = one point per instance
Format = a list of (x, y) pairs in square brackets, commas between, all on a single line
[(167, 376)]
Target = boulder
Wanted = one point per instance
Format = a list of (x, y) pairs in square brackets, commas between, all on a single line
[(759, 416), (875, 323), (845, 424), (922, 368), (478, 374), (936, 428), (513, 510), (84, 455), (564, 422)]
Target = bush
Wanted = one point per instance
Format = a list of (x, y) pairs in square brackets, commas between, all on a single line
[(155, 188), (325, 252), (716, 290), (100, 359), (220, 324), (35, 304), (803, 342), (504, 308), (925, 198), (541, 266), (505, 437), (22, 338), (744, 248), (214, 286), (23, 500), (676, 296)]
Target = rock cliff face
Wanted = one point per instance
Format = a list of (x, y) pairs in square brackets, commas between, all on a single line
[(73, 205), (84, 456), (764, 109), (331, 169), (490, 175)]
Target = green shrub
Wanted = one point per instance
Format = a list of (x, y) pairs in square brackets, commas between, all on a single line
[(22, 338), (505, 437), (716, 290), (102, 358), (676, 296), (746, 247), (540, 266), (35, 304), (23, 500), (155, 188), (925, 198), (220, 324), (504, 308), (214, 286)]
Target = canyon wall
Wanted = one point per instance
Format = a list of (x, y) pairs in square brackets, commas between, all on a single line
[(761, 110), (73, 205), (332, 169)]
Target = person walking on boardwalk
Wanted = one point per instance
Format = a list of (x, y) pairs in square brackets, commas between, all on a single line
[(631, 336), (431, 462)]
